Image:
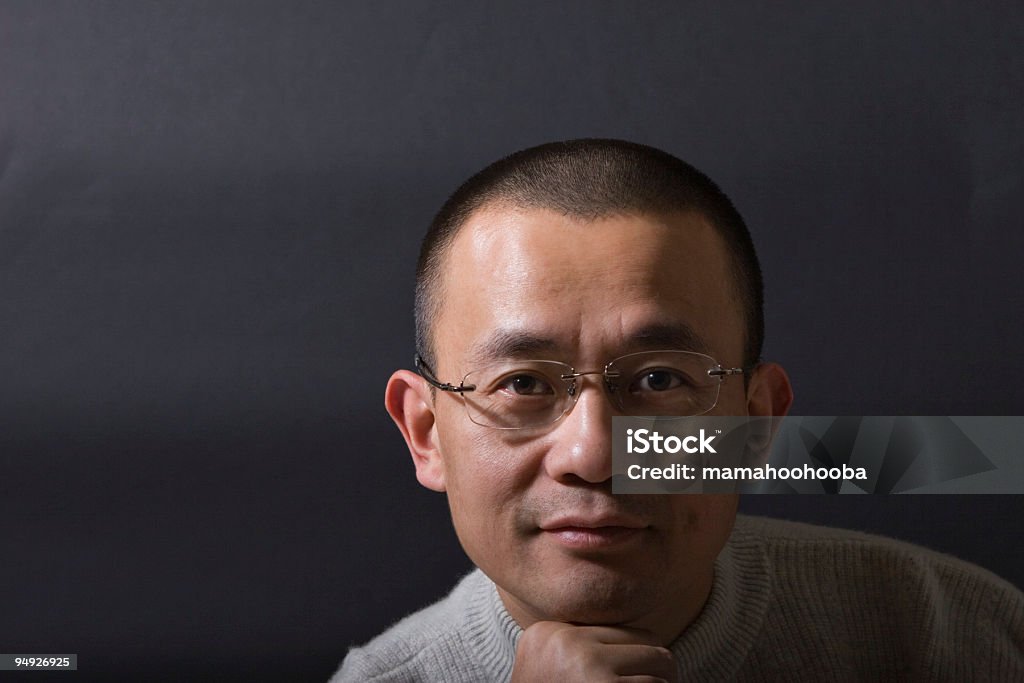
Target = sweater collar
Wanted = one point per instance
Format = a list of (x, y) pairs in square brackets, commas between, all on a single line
[(716, 644)]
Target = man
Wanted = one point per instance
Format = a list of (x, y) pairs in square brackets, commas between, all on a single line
[(580, 280)]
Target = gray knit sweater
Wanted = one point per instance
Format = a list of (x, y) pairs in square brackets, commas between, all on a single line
[(790, 602)]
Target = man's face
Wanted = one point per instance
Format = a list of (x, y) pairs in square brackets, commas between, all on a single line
[(533, 508)]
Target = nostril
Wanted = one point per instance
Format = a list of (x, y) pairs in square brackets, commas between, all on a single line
[(573, 479)]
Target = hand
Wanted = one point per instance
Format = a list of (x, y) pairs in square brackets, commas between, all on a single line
[(553, 651)]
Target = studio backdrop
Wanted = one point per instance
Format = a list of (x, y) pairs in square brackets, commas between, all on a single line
[(209, 219)]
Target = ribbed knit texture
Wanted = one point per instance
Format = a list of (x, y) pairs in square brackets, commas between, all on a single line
[(789, 602)]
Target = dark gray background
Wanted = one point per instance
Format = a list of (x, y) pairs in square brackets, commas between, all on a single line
[(209, 214)]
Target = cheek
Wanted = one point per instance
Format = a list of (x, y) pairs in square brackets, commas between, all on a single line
[(708, 518), (485, 479), (732, 398), (719, 509), (486, 485), (501, 465), (717, 514)]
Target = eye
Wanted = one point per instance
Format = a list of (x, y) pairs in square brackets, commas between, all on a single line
[(526, 385), (657, 380)]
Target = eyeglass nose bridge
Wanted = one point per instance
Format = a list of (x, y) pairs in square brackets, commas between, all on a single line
[(610, 382)]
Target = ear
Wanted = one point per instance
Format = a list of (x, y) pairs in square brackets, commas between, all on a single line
[(409, 403), (769, 394)]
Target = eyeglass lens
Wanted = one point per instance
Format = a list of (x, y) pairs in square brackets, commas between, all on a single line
[(518, 394)]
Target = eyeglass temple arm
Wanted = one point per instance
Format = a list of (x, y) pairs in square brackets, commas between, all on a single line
[(426, 373), (725, 372)]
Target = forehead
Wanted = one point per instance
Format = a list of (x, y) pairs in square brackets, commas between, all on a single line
[(573, 287)]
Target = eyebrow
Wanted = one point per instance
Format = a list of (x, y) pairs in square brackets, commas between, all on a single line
[(512, 344), (668, 336), (525, 345)]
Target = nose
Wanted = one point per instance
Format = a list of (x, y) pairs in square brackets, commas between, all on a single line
[(582, 447)]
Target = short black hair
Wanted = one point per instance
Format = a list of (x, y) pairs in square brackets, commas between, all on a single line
[(591, 179)]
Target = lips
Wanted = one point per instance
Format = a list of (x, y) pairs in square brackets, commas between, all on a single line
[(593, 522), (593, 532)]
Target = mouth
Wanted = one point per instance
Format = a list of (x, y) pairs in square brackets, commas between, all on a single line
[(593, 533)]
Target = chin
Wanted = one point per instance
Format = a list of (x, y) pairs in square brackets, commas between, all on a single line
[(593, 595), (593, 611)]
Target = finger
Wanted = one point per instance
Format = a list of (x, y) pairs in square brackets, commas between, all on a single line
[(639, 660), (619, 635)]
